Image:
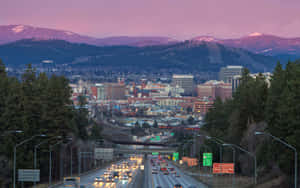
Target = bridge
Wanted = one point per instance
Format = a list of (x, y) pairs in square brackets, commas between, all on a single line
[(146, 150)]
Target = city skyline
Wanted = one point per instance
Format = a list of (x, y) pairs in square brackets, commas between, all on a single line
[(179, 20)]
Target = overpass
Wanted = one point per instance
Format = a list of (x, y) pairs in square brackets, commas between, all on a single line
[(146, 150)]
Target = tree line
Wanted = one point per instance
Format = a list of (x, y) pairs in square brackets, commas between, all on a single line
[(37, 104), (259, 106)]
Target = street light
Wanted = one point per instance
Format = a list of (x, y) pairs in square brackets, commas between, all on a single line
[(71, 157), (252, 155), (50, 160), (286, 144), (233, 157), (15, 154), (35, 151), (217, 141)]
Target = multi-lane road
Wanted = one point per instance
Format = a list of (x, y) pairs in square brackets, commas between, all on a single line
[(161, 180), (123, 181)]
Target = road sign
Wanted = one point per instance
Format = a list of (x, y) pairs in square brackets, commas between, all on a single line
[(155, 153), (29, 175), (104, 153), (223, 168), (157, 138), (172, 134), (207, 159), (175, 156)]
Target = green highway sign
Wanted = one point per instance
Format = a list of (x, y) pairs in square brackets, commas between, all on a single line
[(176, 156), (207, 159), (157, 138), (155, 153), (172, 134)]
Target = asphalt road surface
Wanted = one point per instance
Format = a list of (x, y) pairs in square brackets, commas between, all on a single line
[(88, 181), (168, 181)]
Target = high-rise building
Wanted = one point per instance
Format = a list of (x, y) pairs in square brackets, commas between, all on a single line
[(206, 90), (114, 91), (226, 74), (213, 89), (184, 81), (109, 91)]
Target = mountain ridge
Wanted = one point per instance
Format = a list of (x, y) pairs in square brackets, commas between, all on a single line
[(187, 56), (12, 33)]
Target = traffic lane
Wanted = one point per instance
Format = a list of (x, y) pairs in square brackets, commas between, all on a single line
[(88, 179), (187, 180), (170, 180)]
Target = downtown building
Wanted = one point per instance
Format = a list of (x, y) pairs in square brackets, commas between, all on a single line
[(213, 89), (184, 81), (227, 73), (108, 91)]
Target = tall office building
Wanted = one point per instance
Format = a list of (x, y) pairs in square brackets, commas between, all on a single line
[(213, 89), (109, 91), (226, 74), (184, 81)]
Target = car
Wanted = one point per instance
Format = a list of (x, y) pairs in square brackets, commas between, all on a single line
[(109, 179), (154, 172), (166, 172), (177, 185), (99, 179), (72, 182), (171, 168)]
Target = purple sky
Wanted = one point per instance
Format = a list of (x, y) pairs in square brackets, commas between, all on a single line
[(179, 19)]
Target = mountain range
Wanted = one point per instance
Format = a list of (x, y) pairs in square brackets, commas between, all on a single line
[(188, 56), (256, 51), (270, 45), (12, 33)]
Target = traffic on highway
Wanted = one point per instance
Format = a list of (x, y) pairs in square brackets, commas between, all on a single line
[(118, 175), (163, 174)]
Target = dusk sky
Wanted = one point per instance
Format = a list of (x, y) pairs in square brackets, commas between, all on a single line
[(179, 19)]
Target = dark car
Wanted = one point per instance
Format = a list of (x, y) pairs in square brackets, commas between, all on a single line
[(177, 185)]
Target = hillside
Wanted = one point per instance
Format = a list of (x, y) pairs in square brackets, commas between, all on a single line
[(185, 56)]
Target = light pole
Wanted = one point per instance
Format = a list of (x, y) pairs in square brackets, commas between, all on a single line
[(289, 146), (35, 152), (71, 157), (217, 141), (233, 157), (252, 155), (50, 160), (15, 154)]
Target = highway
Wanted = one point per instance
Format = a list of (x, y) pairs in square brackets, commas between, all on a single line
[(170, 180), (105, 176)]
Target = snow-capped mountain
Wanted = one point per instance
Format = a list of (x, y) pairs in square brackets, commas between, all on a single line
[(11, 33), (266, 44), (285, 48), (205, 39)]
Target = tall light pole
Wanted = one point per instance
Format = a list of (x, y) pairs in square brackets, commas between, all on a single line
[(217, 141), (15, 154), (35, 152), (289, 146), (71, 151), (50, 160), (233, 157), (252, 155)]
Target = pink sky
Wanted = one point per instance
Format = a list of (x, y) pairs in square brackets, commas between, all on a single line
[(179, 19)]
